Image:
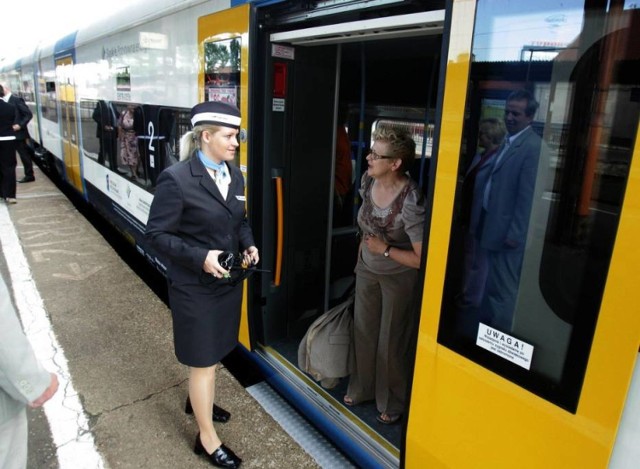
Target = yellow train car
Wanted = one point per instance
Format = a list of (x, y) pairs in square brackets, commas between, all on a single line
[(533, 367)]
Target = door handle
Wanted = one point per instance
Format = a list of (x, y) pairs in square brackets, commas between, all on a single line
[(277, 275)]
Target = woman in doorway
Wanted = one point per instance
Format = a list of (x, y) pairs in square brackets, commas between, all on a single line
[(198, 213), (391, 219)]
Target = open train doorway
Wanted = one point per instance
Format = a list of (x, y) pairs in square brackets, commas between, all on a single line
[(318, 81)]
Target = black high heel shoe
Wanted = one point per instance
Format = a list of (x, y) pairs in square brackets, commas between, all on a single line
[(221, 457), (219, 414)]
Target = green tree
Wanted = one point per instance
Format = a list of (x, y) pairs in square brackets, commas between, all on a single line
[(216, 56)]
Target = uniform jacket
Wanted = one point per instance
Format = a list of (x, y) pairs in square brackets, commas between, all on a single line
[(8, 117), (24, 116), (22, 377), (513, 181), (189, 217)]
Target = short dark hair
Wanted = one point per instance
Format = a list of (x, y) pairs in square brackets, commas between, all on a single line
[(523, 94)]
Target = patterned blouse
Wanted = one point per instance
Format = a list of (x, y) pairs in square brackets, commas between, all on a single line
[(399, 225)]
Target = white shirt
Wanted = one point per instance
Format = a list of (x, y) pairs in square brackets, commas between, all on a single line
[(222, 181)]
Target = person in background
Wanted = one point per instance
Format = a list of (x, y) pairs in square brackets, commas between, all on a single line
[(506, 208), (343, 170), (198, 213), (129, 141), (491, 134), (23, 382), (391, 219), (8, 119), (104, 116), (22, 134)]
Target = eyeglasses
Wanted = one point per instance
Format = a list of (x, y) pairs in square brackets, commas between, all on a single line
[(377, 156)]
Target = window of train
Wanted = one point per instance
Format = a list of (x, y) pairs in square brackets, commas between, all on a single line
[(530, 248), (222, 71), (174, 123), (28, 95), (415, 129), (91, 129), (131, 152), (48, 99), (222, 75), (423, 140)]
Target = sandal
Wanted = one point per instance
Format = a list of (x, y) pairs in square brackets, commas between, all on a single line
[(348, 401), (388, 419)]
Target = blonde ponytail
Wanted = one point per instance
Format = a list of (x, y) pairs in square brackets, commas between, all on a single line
[(191, 140)]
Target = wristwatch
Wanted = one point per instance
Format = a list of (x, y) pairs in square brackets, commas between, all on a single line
[(387, 251)]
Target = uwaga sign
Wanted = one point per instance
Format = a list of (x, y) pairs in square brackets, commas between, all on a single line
[(502, 344)]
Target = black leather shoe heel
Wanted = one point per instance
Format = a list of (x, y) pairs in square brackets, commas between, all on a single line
[(219, 414), (221, 457)]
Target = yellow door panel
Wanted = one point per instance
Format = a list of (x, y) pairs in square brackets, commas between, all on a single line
[(69, 122), (467, 408)]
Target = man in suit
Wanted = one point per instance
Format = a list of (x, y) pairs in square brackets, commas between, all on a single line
[(22, 134), (23, 381), (506, 209)]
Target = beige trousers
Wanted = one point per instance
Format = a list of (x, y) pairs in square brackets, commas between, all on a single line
[(384, 318)]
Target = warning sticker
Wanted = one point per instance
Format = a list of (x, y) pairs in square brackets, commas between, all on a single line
[(505, 345), (278, 105)]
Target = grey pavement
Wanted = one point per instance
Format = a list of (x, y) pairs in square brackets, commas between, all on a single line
[(116, 336)]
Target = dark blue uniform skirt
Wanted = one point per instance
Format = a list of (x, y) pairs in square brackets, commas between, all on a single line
[(205, 323)]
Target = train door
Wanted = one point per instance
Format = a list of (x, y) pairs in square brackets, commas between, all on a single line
[(304, 163), (223, 47), (68, 121), (382, 73)]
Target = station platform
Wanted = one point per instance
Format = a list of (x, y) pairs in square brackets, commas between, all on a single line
[(96, 324)]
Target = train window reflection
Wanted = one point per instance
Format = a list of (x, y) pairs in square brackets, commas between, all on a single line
[(222, 74), (415, 129), (174, 123), (130, 132), (536, 217), (424, 144), (49, 103), (90, 126)]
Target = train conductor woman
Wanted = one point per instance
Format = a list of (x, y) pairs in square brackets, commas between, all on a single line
[(197, 213)]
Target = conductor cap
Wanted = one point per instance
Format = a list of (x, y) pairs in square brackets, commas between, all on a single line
[(215, 113)]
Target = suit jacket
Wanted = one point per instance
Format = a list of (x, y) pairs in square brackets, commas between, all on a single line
[(22, 377), (24, 116), (189, 217), (103, 116), (513, 181)]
